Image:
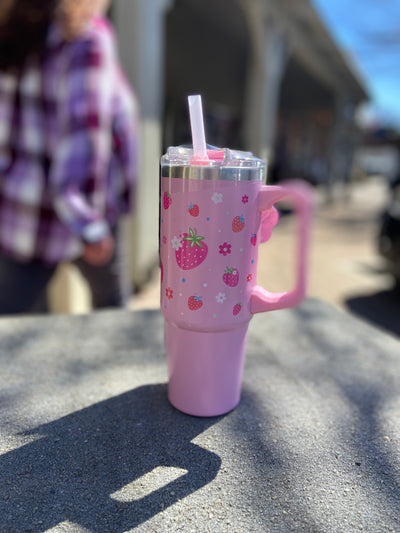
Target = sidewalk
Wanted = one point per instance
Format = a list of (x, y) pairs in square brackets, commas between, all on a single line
[(343, 260)]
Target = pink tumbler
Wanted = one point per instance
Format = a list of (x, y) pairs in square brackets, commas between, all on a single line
[(213, 215)]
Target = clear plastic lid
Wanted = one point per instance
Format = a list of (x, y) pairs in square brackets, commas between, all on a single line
[(222, 163)]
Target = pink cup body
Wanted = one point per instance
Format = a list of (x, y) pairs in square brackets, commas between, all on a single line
[(204, 369), (209, 236), (220, 274)]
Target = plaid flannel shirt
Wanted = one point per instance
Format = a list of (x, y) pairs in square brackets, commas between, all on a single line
[(68, 148)]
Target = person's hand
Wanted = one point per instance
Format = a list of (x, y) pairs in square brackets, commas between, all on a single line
[(99, 253)]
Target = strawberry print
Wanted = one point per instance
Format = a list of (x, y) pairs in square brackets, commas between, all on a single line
[(231, 277), (194, 210), (253, 239), (238, 223), (167, 200), (169, 293), (194, 302), (192, 252), (236, 309)]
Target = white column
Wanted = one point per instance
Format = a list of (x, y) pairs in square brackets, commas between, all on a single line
[(140, 30), (267, 64)]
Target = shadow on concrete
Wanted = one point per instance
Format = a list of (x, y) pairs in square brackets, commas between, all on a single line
[(78, 462), (270, 463), (381, 309), (374, 456), (364, 453)]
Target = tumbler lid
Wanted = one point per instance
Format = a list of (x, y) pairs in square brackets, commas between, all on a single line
[(222, 164)]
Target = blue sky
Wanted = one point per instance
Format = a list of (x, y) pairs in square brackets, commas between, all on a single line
[(369, 31)]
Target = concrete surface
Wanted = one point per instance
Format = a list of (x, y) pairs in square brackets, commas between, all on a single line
[(89, 442)]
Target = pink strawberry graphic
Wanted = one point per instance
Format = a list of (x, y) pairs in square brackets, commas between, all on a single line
[(238, 223), (192, 252), (231, 277), (236, 309), (194, 302), (253, 239), (167, 200), (194, 210)]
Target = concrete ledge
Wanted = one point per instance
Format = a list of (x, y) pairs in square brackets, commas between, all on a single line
[(89, 442)]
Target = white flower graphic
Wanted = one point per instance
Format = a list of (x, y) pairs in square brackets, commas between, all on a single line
[(176, 243), (217, 198), (221, 297)]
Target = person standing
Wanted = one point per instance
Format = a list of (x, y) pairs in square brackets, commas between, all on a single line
[(68, 149)]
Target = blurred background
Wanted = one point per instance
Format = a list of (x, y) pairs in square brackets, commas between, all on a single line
[(309, 85)]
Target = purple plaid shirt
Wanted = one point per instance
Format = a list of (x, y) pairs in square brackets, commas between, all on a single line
[(68, 148)]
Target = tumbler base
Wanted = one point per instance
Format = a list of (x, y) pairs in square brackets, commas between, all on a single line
[(205, 369)]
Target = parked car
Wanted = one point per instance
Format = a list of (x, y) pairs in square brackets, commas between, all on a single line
[(389, 234)]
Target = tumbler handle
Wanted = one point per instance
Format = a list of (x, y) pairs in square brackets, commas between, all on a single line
[(300, 195)]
